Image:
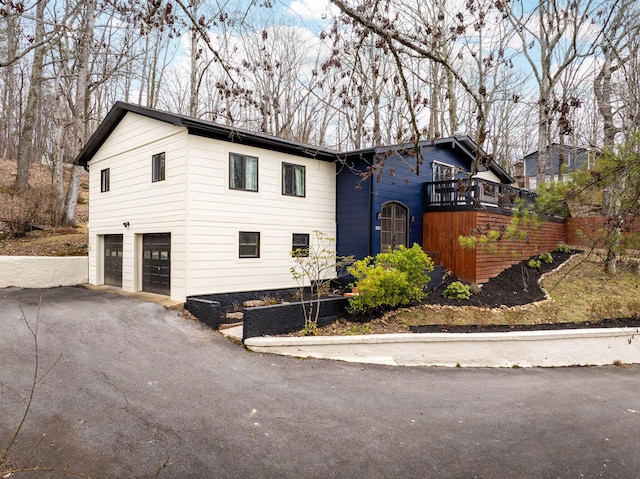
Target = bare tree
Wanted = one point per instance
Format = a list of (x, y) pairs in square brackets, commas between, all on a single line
[(554, 35), (618, 46), (25, 142), (445, 45)]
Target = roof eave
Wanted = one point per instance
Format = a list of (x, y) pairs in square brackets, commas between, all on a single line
[(196, 127)]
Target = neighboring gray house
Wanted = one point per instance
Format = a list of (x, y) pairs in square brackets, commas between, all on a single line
[(575, 158)]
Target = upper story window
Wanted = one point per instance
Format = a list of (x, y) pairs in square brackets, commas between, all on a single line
[(158, 167), (243, 172), (293, 179), (105, 180), (249, 244), (300, 245), (443, 172)]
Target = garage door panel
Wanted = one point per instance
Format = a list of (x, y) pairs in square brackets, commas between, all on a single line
[(112, 264), (156, 263)]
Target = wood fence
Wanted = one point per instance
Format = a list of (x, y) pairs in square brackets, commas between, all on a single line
[(591, 231), (442, 229)]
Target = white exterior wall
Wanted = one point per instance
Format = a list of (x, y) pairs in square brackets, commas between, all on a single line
[(487, 175), (149, 207), (204, 216), (218, 214)]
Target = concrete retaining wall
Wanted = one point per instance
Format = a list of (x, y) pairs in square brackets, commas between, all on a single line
[(579, 347), (43, 271)]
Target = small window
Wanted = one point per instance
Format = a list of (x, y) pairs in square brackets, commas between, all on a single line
[(105, 180), (249, 245), (300, 245), (292, 179), (443, 172), (158, 167), (243, 172)]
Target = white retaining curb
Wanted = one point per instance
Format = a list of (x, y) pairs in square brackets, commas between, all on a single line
[(43, 271), (574, 347)]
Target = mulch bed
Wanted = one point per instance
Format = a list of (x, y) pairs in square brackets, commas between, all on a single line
[(515, 286), (500, 328)]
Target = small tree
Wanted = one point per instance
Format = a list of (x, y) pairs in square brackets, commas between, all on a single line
[(616, 173), (314, 268)]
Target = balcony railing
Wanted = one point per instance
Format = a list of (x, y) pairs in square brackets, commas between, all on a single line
[(474, 193)]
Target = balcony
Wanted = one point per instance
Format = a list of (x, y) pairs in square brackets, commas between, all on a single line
[(472, 194)]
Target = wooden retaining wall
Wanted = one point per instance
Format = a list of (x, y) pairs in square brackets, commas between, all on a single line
[(590, 231), (492, 260), (477, 265)]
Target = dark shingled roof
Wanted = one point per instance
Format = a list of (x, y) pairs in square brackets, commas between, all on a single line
[(197, 127), (210, 129)]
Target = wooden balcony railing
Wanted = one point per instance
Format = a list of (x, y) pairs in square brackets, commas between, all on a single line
[(474, 193)]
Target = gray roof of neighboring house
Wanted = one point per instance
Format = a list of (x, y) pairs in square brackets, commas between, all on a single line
[(576, 158), (197, 127)]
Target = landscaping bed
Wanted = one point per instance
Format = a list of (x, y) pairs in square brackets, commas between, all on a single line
[(515, 286), (582, 296)]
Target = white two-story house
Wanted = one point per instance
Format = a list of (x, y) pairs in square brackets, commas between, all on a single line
[(181, 207)]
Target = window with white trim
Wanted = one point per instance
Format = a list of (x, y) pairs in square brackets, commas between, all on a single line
[(443, 172)]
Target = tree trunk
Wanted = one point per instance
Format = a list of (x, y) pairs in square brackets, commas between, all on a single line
[(81, 126), (8, 114), (58, 145), (25, 142), (193, 77), (602, 91)]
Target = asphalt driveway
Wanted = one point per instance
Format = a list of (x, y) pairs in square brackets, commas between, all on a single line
[(137, 391)]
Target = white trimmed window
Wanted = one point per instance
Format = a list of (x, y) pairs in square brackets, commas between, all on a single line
[(443, 172)]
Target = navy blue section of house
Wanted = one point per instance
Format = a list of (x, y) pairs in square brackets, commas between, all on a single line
[(353, 211), (396, 177)]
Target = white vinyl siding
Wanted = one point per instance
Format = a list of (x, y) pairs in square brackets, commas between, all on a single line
[(218, 214), (196, 205), (148, 207)]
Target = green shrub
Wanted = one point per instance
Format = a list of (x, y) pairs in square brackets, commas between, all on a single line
[(457, 290), (534, 263), (563, 248), (390, 280), (546, 258)]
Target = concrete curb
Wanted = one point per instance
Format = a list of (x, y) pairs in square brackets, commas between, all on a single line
[(576, 347)]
